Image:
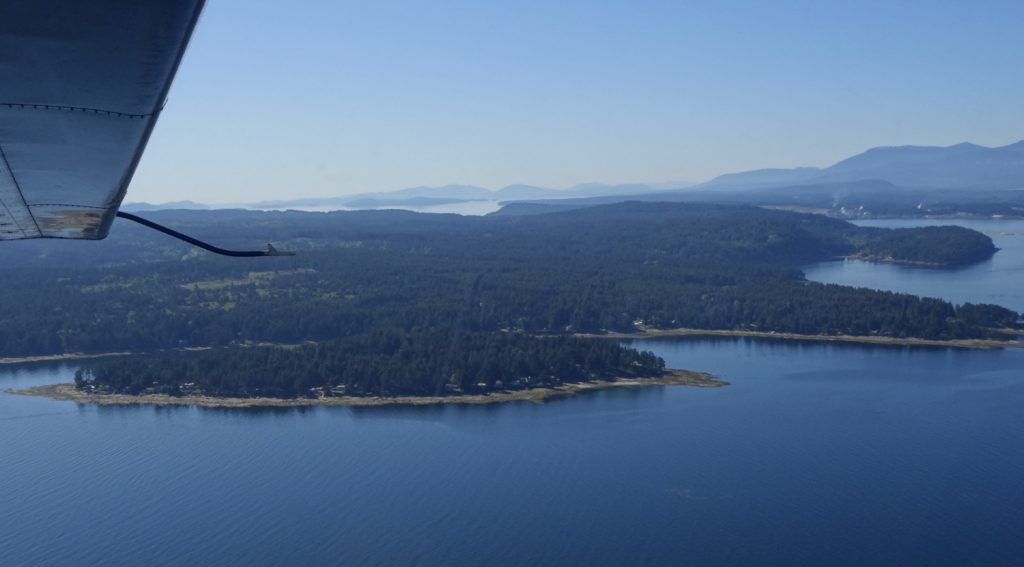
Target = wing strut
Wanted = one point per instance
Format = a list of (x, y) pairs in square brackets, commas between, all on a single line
[(270, 251)]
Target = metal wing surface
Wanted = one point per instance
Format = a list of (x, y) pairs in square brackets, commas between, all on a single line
[(82, 83)]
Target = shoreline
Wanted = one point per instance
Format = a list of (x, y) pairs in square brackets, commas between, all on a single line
[(828, 212), (60, 357), (672, 377), (982, 344), (87, 356), (909, 263)]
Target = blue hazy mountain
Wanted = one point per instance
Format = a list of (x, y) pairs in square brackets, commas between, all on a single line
[(962, 166), (877, 170), (425, 195), (420, 194), (759, 178)]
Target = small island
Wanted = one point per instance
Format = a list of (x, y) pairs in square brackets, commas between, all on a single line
[(385, 369), (542, 394)]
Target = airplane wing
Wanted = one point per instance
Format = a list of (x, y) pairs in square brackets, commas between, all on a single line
[(82, 83)]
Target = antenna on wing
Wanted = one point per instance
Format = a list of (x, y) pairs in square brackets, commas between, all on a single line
[(270, 251)]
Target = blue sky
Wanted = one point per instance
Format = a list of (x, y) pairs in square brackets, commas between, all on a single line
[(321, 98)]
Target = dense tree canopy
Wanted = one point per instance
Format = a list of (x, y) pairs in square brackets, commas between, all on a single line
[(608, 268), (378, 363)]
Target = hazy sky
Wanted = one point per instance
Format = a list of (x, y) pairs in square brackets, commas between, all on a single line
[(329, 97)]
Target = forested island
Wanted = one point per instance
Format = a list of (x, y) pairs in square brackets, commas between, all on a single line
[(502, 284), (382, 364)]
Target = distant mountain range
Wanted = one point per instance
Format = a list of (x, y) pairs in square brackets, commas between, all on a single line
[(962, 166), (426, 196)]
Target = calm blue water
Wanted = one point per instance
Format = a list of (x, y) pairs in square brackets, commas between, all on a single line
[(999, 280), (816, 454)]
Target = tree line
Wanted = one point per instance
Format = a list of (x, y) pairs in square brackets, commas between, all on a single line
[(382, 363)]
